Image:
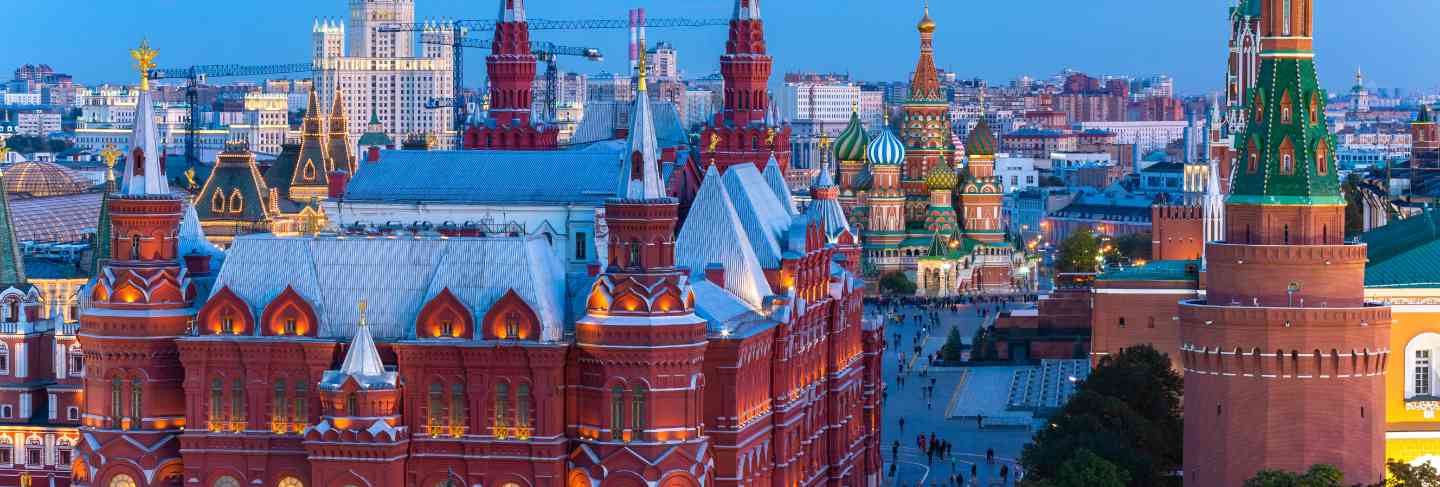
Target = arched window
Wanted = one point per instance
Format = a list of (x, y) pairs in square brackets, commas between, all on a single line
[(117, 403), (237, 403), (1322, 157), (227, 481), (217, 202), (1287, 163), (502, 405), (1253, 162), (134, 247), (308, 173), (1314, 108), (522, 405), (217, 403), (459, 416), (617, 413), (637, 410), (634, 254), (291, 326), (281, 413), (135, 401), (436, 407), (1420, 353), (512, 325), (237, 202), (302, 403)]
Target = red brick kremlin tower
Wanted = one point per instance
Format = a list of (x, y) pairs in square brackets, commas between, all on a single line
[(1284, 361), (925, 127), (511, 70), (635, 401), (140, 302), (741, 132)]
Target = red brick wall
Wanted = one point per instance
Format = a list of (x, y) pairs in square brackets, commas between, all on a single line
[(1177, 232), (1149, 309)]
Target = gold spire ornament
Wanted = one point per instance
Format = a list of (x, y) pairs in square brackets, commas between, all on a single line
[(363, 305), (714, 141), (144, 62), (190, 178)]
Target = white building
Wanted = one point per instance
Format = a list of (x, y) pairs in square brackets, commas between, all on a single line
[(263, 123), (663, 62), (699, 107), (1148, 135), (383, 72), (822, 101), (1017, 173), (872, 108), (37, 123), (22, 98), (606, 87)]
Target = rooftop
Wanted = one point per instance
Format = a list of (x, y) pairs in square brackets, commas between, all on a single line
[(541, 177)]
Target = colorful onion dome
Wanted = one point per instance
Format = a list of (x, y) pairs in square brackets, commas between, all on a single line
[(981, 140), (941, 177), (850, 146), (886, 149)]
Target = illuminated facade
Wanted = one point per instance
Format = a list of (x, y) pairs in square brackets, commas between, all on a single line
[(726, 352)]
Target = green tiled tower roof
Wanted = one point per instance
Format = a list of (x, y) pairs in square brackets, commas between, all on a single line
[(1287, 110), (981, 140), (850, 145)]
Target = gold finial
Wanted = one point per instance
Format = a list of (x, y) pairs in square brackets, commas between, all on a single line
[(927, 25), (363, 305), (640, 87), (770, 136), (190, 177), (110, 154), (4, 151), (144, 62), (855, 105), (714, 141)]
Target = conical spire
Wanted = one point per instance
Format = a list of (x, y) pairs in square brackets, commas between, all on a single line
[(643, 178), (340, 153), (313, 123), (512, 10), (143, 171), (747, 10), (363, 359), (925, 85), (12, 265)]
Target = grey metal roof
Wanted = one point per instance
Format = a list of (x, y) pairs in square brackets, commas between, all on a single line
[(602, 118), (396, 276), (554, 177)]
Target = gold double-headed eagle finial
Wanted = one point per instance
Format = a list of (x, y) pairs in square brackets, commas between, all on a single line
[(144, 62), (363, 305), (110, 154)]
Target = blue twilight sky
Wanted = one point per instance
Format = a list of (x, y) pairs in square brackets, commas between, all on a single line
[(871, 39)]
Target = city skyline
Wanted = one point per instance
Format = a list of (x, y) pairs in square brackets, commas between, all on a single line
[(1108, 42)]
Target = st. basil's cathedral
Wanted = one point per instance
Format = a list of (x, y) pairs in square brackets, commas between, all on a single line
[(901, 191)]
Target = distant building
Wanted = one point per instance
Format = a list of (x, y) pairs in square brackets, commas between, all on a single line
[(663, 62), (382, 72), (1148, 136), (37, 123)]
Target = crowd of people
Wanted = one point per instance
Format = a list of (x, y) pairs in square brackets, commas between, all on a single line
[(912, 320)]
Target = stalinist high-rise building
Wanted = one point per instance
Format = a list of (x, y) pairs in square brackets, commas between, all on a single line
[(388, 73)]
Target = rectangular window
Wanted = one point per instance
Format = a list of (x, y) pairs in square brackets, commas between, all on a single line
[(32, 456), (1422, 372), (580, 246)]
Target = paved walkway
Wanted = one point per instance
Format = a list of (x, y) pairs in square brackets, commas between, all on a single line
[(953, 395)]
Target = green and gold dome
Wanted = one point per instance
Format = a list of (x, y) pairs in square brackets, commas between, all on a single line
[(942, 178)]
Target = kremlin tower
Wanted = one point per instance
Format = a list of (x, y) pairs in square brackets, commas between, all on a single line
[(926, 125), (511, 70), (141, 300), (636, 371), (742, 132), (1284, 361)]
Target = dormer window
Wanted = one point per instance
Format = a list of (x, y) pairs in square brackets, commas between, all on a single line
[(290, 326), (447, 328), (512, 326)]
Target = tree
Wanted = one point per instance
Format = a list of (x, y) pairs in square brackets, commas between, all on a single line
[(1127, 413), (1086, 469), (1135, 246), (1318, 476), (953, 346), (1406, 475), (896, 283), (1052, 182), (1078, 252)]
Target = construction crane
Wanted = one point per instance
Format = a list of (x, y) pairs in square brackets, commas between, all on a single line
[(193, 76), (459, 40), (545, 52)]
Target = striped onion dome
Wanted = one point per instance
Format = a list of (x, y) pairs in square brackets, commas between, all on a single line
[(942, 178), (850, 146), (981, 141), (886, 149)]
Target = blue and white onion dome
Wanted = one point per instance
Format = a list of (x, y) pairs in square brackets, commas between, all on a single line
[(886, 149)]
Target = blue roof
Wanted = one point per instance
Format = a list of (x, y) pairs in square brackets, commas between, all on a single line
[(546, 177)]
